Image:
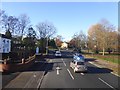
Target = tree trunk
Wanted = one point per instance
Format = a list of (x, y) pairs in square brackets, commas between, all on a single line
[(103, 51), (88, 50)]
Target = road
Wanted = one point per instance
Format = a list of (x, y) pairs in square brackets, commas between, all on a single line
[(29, 78), (49, 75), (95, 77)]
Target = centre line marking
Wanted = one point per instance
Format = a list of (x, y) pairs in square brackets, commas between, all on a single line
[(63, 62), (70, 74), (106, 83)]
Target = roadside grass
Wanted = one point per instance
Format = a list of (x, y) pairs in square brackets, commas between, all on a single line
[(113, 57), (110, 58)]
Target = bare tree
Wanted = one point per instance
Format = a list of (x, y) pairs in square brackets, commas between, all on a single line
[(46, 30), (9, 23), (23, 23), (79, 40)]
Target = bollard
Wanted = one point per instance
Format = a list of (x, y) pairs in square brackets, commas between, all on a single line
[(23, 60), (5, 61)]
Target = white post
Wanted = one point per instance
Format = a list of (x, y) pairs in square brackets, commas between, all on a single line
[(47, 46)]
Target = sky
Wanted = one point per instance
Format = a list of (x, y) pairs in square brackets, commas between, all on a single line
[(68, 17)]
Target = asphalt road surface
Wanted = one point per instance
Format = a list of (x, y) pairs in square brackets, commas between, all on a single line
[(56, 73), (64, 77)]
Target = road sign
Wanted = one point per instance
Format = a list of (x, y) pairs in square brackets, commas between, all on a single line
[(37, 50)]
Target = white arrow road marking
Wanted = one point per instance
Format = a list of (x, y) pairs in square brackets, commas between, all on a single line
[(82, 73), (58, 68), (57, 72)]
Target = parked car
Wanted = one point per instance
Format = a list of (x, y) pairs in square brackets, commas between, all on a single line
[(78, 66), (58, 54)]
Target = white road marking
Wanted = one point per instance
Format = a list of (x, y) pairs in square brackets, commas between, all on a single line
[(63, 62), (34, 75), (40, 80), (57, 72), (82, 73), (101, 67), (106, 83), (115, 74), (58, 68), (70, 74), (95, 64)]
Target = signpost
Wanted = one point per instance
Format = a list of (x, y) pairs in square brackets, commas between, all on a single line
[(37, 50)]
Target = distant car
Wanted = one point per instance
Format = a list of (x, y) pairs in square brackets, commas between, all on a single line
[(58, 54), (78, 66)]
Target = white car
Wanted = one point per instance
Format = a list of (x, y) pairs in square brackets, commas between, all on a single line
[(58, 54), (78, 66)]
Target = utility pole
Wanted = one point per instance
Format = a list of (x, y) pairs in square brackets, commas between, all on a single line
[(47, 46)]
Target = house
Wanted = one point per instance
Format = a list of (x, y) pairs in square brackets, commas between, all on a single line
[(64, 45), (5, 44)]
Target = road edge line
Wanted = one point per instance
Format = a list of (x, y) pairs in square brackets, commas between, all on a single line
[(115, 74), (106, 83), (102, 67)]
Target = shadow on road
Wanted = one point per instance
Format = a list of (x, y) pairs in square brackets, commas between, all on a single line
[(49, 68), (96, 70), (89, 59)]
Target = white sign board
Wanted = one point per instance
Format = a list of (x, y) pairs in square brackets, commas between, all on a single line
[(5, 45), (37, 50)]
